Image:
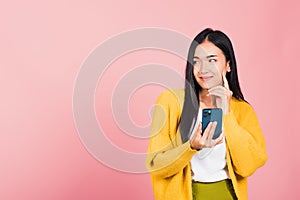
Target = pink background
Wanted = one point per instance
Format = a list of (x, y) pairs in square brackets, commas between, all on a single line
[(43, 44)]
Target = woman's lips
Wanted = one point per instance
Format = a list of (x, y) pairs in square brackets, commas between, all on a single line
[(205, 78)]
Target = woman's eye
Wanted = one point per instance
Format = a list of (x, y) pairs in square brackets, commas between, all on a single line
[(212, 60)]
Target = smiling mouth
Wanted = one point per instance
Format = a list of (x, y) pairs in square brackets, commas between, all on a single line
[(206, 78)]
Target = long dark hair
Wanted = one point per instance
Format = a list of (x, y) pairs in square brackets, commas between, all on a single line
[(192, 88)]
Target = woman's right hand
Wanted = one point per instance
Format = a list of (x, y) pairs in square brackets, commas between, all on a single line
[(200, 141)]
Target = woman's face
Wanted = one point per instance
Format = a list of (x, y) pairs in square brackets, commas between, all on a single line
[(209, 63)]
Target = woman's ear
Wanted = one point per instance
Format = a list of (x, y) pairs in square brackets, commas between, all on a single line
[(228, 66)]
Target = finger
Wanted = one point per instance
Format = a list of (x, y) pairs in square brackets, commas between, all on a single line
[(219, 140), (195, 140), (212, 132), (221, 92), (207, 130), (216, 87), (200, 128), (226, 85), (218, 93)]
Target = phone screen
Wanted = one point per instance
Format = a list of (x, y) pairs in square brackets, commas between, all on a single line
[(210, 115)]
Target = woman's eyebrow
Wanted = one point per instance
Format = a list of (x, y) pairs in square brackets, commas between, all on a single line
[(209, 56)]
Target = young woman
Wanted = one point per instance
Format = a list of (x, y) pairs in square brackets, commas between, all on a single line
[(187, 164)]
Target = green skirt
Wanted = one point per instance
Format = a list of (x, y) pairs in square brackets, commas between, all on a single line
[(221, 190)]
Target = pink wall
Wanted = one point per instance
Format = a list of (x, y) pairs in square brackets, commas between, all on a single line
[(42, 48)]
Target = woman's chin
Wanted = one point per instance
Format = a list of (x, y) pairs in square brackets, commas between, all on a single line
[(207, 85)]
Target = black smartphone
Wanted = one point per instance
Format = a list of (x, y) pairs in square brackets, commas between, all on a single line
[(210, 115)]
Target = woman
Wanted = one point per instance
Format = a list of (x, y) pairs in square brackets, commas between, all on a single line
[(185, 163)]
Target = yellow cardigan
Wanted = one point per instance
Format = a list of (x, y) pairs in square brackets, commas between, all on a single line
[(168, 160)]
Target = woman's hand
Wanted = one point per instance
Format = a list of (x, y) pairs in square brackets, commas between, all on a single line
[(200, 141), (222, 95)]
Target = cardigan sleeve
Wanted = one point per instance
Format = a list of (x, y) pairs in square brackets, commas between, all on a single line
[(165, 156), (245, 140)]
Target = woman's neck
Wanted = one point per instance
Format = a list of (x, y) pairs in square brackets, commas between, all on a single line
[(206, 101), (203, 93)]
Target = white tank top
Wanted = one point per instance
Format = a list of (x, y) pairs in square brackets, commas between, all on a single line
[(209, 164)]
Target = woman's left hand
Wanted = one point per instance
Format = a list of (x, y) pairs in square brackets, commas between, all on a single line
[(222, 95)]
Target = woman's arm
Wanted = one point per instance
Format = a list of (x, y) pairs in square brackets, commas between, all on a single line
[(245, 140), (166, 156)]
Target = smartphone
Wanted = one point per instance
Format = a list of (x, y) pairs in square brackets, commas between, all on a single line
[(210, 115)]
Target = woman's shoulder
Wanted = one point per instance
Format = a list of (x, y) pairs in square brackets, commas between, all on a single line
[(172, 96), (241, 106)]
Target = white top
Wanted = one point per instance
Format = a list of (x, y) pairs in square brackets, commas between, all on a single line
[(209, 164)]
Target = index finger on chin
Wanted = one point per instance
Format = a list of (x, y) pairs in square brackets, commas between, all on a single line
[(226, 85)]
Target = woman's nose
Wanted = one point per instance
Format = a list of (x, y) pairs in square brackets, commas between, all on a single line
[(203, 69)]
